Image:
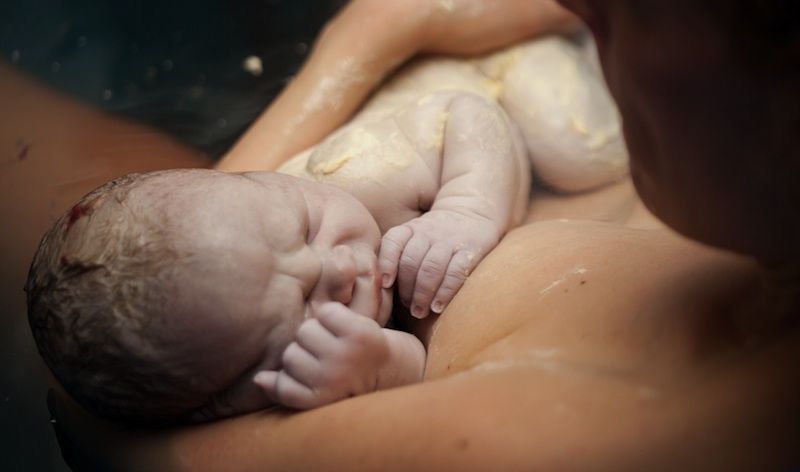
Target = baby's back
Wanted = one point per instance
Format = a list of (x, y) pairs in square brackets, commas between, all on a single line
[(391, 155), (565, 122)]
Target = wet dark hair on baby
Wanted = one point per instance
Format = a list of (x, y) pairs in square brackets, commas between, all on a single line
[(96, 294)]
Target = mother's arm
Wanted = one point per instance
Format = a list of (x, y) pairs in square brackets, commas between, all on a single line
[(478, 420), (362, 45)]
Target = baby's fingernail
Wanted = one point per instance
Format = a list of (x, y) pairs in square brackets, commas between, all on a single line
[(417, 311), (437, 307), (386, 280)]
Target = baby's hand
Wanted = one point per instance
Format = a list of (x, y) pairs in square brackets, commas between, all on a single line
[(431, 256), (335, 355)]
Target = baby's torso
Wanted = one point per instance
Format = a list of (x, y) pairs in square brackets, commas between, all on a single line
[(565, 123), (391, 155)]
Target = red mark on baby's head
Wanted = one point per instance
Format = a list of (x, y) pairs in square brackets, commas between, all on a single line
[(77, 212)]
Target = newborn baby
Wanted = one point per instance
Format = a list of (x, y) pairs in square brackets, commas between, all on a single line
[(552, 89), (195, 295)]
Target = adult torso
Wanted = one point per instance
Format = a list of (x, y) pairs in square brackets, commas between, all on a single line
[(626, 340)]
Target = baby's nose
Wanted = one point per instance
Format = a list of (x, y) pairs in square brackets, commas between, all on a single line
[(339, 275)]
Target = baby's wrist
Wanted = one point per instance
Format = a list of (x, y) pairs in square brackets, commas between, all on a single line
[(406, 362)]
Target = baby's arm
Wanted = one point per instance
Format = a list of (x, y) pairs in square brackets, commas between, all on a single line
[(338, 354), (484, 184)]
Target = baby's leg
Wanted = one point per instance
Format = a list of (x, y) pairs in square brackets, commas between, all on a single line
[(554, 91)]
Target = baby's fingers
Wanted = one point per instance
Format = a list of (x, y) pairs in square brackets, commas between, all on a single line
[(458, 270), (315, 338), (343, 322), (301, 365), (281, 388), (410, 263), (392, 246), (429, 278)]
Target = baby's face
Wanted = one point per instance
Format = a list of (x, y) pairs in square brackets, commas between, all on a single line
[(259, 250)]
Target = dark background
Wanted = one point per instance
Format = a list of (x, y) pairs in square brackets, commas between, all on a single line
[(173, 65)]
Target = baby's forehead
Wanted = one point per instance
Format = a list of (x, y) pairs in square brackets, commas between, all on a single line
[(182, 194), (220, 210)]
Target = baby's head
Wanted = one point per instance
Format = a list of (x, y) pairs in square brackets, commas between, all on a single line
[(158, 296)]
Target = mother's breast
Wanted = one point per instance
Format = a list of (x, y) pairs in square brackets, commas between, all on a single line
[(582, 295)]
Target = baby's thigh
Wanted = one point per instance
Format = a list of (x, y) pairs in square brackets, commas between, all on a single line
[(556, 94)]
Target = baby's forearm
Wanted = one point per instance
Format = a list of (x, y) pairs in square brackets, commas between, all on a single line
[(485, 172), (484, 177), (406, 362)]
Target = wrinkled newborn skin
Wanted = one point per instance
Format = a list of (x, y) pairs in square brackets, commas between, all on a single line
[(267, 281), (247, 256), (243, 319), (266, 249)]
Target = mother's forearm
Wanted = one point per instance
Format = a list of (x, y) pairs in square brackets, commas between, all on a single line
[(355, 51), (361, 46)]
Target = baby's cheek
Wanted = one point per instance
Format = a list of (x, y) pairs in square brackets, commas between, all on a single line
[(277, 341)]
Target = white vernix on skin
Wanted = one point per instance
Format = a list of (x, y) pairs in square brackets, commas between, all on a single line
[(468, 8), (329, 92), (577, 270), (546, 358), (557, 360)]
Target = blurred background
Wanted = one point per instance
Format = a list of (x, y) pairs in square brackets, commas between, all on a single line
[(198, 72)]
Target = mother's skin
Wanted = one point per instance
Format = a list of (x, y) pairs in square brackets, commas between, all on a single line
[(594, 346), (620, 354)]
